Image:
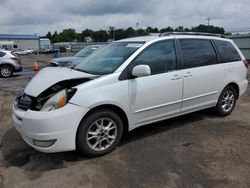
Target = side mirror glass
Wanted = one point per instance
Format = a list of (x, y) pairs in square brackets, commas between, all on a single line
[(141, 71)]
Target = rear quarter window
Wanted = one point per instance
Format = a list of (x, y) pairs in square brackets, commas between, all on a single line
[(227, 51)]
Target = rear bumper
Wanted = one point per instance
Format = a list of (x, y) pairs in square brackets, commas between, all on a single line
[(243, 87), (18, 68)]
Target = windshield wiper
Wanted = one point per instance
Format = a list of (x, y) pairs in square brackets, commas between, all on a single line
[(89, 72), (81, 70)]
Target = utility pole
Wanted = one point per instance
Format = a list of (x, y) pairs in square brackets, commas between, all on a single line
[(112, 29), (136, 28), (208, 20), (137, 24)]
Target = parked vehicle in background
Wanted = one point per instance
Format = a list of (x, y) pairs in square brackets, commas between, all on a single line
[(23, 51), (39, 51), (20, 52), (30, 51), (52, 50), (127, 84), (9, 63), (75, 59), (62, 49)]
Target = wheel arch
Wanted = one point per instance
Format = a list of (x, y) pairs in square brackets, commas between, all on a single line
[(112, 107), (236, 87), (7, 64)]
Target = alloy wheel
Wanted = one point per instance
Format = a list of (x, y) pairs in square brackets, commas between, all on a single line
[(6, 71), (101, 134), (227, 100)]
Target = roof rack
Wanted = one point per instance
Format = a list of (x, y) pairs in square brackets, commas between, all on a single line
[(191, 33)]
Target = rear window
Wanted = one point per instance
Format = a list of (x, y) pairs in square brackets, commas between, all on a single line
[(2, 54), (227, 51), (13, 53), (197, 52)]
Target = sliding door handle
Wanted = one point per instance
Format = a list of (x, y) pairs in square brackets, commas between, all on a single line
[(188, 74), (176, 77)]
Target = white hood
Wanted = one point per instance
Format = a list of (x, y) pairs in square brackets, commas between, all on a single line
[(50, 76)]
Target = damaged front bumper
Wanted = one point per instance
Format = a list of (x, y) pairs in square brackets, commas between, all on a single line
[(52, 131)]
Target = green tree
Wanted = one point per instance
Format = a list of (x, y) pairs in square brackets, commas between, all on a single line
[(167, 29), (179, 29), (152, 30), (129, 32), (208, 29), (68, 35), (100, 36), (49, 36)]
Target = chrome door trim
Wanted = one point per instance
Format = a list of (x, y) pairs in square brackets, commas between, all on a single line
[(157, 106)]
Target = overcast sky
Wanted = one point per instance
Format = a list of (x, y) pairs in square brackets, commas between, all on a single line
[(41, 16)]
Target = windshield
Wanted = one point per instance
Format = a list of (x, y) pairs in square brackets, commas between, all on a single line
[(109, 58), (86, 51)]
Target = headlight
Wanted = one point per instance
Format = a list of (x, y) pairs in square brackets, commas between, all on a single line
[(56, 101)]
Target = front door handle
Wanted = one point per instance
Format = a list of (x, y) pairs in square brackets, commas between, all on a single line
[(176, 77), (188, 74)]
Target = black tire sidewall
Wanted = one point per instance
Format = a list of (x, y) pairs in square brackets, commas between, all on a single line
[(218, 109), (81, 142), (6, 66)]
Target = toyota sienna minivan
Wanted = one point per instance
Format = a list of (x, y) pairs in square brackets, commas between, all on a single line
[(127, 84)]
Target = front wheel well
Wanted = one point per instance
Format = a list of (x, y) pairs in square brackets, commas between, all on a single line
[(236, 87), (115, 109), (7, 64)]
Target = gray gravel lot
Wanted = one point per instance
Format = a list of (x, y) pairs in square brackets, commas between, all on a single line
[(195, 150)]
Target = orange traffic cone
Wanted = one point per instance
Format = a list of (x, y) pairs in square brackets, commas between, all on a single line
[(36, 68)]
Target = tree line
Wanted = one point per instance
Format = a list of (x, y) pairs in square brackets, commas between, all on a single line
[(70, 35)]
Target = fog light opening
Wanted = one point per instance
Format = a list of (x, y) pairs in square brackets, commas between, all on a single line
[(44, 143)]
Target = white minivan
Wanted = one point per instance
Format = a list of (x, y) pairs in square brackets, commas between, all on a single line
[(127, 84)]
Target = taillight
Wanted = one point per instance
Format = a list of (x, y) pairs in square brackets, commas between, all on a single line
[(245, 63), (15, 58)]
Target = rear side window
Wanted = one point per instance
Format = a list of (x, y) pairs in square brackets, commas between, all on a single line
[(227, 51), (2, 54), (197, 52)]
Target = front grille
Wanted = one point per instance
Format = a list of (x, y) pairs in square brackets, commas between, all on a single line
[(24, 102)]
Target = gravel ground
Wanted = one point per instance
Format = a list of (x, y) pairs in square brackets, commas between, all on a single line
[(195, 150)]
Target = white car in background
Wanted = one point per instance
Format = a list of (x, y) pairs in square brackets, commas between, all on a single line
[(24, 51), (128, 84), (30, 51), (9, 63)]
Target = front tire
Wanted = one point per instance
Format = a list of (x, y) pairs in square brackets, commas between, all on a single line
[(6, 71), (99, 133), (226, 101)]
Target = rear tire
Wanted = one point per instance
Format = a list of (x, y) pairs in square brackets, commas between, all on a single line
[(99, 133), (6, 71), (226, 101)]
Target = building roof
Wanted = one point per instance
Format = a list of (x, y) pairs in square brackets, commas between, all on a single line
[(239, 36), (12, 36), (45, 39)]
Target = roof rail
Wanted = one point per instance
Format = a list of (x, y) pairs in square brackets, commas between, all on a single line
[(191, 33)]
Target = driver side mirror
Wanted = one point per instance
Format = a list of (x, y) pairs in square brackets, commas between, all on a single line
[(141, 71)]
